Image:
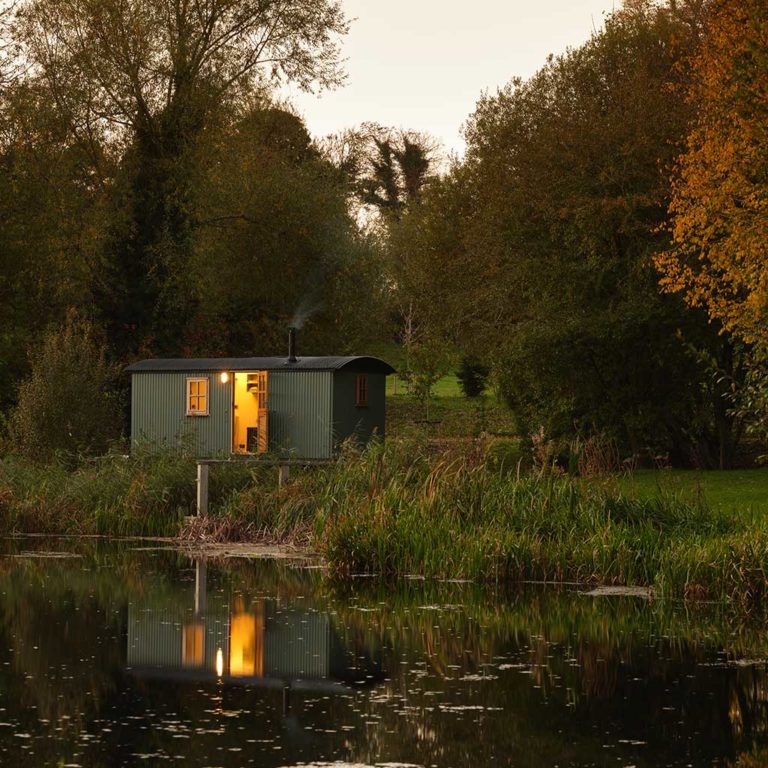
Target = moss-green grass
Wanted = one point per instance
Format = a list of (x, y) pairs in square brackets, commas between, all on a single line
[(447, 415), (742, 492), (447, 386), (450, 416)]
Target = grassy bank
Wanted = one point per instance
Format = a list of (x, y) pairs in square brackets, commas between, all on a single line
[(455, 519), (145, 495), (397, 510)]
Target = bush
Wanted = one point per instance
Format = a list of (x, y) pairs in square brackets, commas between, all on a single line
[(473, 376), (426, 363), (68, 406)]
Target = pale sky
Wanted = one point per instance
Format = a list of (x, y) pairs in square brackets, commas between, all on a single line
[(423, 64)]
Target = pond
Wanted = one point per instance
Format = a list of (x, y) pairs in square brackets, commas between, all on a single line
[(132, 653)]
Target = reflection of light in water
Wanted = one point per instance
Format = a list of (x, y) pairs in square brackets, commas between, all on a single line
[(193, 644), (219, 662)]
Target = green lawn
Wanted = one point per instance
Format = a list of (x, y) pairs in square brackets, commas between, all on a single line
[(743, 492), (448, 386), (740, 491), (448, 417)]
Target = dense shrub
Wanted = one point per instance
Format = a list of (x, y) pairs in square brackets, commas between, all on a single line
[(473, 376), (68, 406)]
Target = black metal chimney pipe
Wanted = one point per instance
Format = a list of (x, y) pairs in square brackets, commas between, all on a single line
[(291, 345)]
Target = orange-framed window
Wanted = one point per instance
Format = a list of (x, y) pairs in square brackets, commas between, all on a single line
[(361, 389), (197, 396)]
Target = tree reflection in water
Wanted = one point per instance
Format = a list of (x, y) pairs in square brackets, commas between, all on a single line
[(121, 653)]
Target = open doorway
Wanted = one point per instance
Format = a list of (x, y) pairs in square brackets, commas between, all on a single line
[(251, 425)]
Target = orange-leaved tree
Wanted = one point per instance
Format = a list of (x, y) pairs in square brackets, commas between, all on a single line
[(719, 208)]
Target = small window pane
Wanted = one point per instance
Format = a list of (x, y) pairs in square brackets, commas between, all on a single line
[(361, 390), (197, 397)]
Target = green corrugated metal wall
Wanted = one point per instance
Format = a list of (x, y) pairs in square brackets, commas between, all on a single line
[(310, 412), (348, 418), (300, 413), (158, 413)]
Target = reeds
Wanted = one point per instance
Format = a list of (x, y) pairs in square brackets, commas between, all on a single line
[(453, 519), (398, 509), (144, 495)]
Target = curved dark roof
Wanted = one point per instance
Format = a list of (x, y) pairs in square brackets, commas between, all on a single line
[(364, 364)]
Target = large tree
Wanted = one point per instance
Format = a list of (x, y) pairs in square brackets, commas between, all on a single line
[(278, 245), (719, 255), (147, 78), (159, 67), (51, 220), (395, 170), (387, 169), (541, 243)]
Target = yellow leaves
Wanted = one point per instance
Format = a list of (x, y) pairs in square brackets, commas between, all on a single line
[(719, 227)]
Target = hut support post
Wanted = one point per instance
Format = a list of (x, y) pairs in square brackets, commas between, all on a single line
[(202, 489), (283, 473), (200, 586)]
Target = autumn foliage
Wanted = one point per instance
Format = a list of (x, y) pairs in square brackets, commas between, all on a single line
[(719, 210)]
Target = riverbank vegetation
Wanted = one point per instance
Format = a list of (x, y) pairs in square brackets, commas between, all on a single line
[(456, 519), (401, 509)]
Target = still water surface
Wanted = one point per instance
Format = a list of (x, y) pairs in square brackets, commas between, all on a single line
[(125, 654)]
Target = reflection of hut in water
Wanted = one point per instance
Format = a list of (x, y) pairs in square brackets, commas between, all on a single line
[(256, 644)]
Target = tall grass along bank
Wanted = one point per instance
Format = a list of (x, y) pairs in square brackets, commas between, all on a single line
[(145, 495), (452, 518), (398, 510)]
